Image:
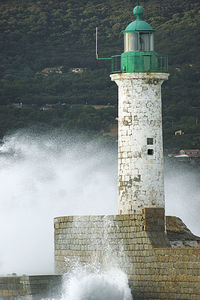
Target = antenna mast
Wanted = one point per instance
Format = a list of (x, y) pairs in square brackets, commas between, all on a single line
[(96, 43), (97, 55)]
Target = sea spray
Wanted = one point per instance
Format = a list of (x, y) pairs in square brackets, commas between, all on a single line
[(182, 193), (82, 284), (96, 235), (45, 176), (102, 277), (89, 283)]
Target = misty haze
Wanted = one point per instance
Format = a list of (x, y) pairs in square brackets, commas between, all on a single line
[(45, 176)]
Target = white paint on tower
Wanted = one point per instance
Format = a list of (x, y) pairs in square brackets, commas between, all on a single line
[(140, 143)]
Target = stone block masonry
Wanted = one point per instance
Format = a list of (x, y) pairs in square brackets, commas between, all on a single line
[(138, 244)]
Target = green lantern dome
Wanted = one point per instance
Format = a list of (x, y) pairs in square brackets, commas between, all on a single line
[(138, 25)]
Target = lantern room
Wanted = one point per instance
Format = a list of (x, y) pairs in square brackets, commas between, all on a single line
[(139, 54), (138, 35)]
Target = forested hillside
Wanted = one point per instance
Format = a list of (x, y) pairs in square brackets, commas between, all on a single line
[(52, 35)]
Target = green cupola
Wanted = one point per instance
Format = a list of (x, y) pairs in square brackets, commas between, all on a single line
[(138, 25)]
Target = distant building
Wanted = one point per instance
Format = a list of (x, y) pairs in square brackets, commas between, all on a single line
[(179, 132), (186, 153), (190, 152), (46, 107), (77, 70), (53, 70)]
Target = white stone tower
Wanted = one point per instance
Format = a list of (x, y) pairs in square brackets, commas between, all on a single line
[(140, 145)]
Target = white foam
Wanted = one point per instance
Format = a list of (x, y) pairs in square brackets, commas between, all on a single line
[(100, 285)]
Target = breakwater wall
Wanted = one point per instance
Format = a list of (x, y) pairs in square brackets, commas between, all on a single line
[(30, 287), (138, 244)]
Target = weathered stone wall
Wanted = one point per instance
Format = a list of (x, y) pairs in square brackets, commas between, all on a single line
[(138, 244), (30, 287), (140, 145), (166, 274)]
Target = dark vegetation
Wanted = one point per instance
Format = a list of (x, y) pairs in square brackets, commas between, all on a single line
[(39, 34)]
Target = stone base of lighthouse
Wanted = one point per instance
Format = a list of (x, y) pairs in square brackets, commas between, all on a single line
[(139, 245)]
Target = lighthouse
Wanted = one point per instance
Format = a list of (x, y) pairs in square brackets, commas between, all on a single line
[(139, 73)]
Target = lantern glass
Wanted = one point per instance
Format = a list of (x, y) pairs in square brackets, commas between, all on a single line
[(138, 41), (130, 42)]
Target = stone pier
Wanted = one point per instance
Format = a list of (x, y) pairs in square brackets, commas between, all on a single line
[(143, 250), (30, 287)]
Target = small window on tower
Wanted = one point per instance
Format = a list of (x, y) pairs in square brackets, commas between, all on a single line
[(149, 141), (150, 151)]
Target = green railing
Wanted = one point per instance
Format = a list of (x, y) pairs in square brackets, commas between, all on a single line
[(116, 64), (139, 62)]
